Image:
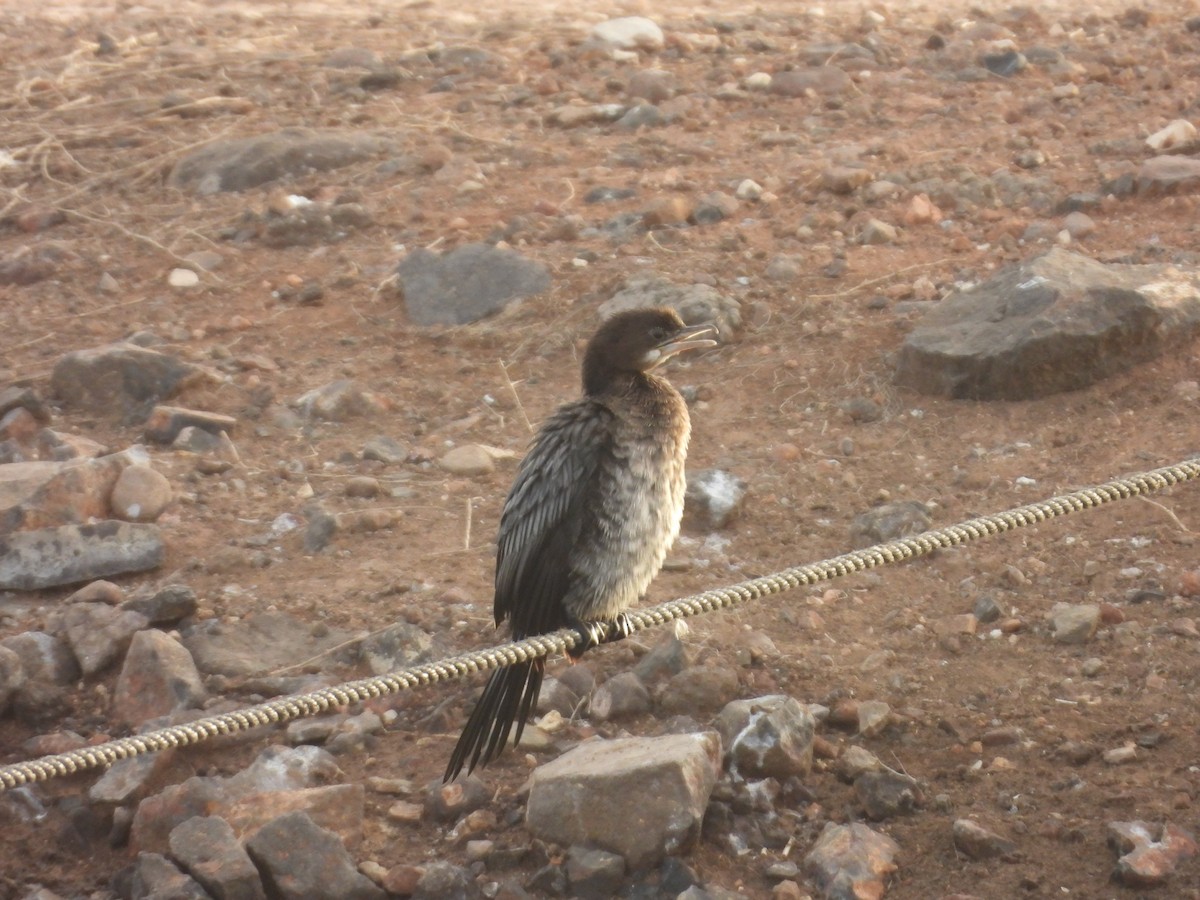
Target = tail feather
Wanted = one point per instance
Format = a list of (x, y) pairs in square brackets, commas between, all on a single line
[(507, 700)]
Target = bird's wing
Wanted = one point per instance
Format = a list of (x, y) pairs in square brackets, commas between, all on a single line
[(544, 515)]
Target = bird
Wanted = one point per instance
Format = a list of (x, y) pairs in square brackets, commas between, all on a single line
[(594, 508)]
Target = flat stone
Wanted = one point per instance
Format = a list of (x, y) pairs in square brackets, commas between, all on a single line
[(621, 696), (468, 460), (466, 284), (237, 164), (698, 689), (640, 798), (299, 860), (49, 557), (851, 861), (43, 657), (889, 522), (768, 737), (118, 381), (1057, 322), (259, 643), (127, 781), (340, 401), (208, 849), (166, 422), (630, 33), (155, 876), (1074, 623), (885, 794), (157, 678), (165, 606), (1162, 175), (976, 842), (824, 81)]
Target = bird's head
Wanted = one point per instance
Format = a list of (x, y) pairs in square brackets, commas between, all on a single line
[(638, 341)]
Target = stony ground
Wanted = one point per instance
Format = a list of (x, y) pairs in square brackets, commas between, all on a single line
[(1007, 727)]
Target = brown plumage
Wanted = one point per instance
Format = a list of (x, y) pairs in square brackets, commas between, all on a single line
[(595, 506)]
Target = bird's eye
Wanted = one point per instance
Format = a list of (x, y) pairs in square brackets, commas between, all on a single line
[(658, 333)]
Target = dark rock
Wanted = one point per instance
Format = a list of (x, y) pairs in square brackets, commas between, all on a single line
[(885, 794), (466, 284), (713, 499), (121, 381), (127, 781), (19, 397), (237, 164), (889, 522), (449, 802), (1004, 64), (585, 796), (1055, 323), (299, 860), (594, 874), (385, 450), (165, 606), (443, 881), (156, 878), (207, 848), (668, 658)]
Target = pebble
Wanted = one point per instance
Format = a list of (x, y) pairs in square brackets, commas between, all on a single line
[(976, 842), (748, 189), (183, 278), (1178, 133), (468, 460), (140, 494), (630, 33), (1074, 623)]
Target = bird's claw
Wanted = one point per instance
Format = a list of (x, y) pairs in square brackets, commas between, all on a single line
[(593, 634)]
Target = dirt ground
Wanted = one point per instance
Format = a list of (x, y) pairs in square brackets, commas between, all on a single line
[(87, 134)]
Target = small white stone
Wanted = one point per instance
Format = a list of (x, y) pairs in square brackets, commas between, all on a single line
[(758, 81), (749, 190), (1175, 134), (630, 33), (183, 278)]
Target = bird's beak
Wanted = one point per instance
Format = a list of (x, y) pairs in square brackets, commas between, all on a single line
[(688, 338)]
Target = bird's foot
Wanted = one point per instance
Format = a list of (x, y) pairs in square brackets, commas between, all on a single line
[(620, 629), (592, 634)]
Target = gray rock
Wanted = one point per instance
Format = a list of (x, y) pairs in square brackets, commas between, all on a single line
[(466, 284), (889, 522), (713, 499), (12, 675), (856, 761), (99, 634), (399, 646), (654, 85), (850, 861), (986, 609), (43, 657), (207, 848), (668, 658), (641, 798), (594, 874), (1057, 322), (385, 450), (885, 794), (1074, 623), (167, 422), (619, 697), (165, 606), (127, 780), (298, 859), (824, 81), (557, 696), (443, 881), (237, 164), (1161, 175), (22, 397), (157, 678), (339, 401), (976, 842), (696, 303), (767, 737), (698, 689), (280, 768), (449, 802), (156, 878), (259, 643), (49, 557), (118, 381)]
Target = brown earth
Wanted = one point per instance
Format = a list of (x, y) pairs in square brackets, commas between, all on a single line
[(90, 138)]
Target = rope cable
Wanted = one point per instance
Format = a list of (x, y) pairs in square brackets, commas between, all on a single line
[(286, 709)]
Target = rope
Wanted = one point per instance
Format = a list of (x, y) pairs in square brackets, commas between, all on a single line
[(288, 708)]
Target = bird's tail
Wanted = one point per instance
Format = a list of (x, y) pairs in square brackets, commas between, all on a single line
[(508, 698)]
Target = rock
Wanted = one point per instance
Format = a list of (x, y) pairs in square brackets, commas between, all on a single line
[(468, 460), (397, 647), (385, 450), (619, 697), (128, 780), (466, 284), (259, 643), (298, 859), (629, 33), (237, 164), (16, 397), (1057, 322), (118, 381), (12, 676), (183, 278), (876, 231), (698, 689), (873, 717), (450, 802), (166, 422), (1175, 134), (1079, 225), (45, 494), (768, 737), (856, 761), (594, 874), (976, 842), (889, 522), (208, 850), (49, 557), (713, 207), (98, 592), (640, 798), (99, 634), (696, 303), (986, 609), (1074, 623), (654, 85), (156, 877), (851, 861), (1149, 854), (141, 494), (165, 606), (844, 179), (340, 401), (1162, 175), (885, 794), (573, 116), (824, 81), (43, 657), (158, 677), (669, 657), (670, 210), (713, 499)]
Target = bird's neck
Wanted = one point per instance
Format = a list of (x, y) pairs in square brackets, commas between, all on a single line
[(602, 385)]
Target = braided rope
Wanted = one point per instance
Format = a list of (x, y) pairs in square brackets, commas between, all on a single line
[(288, 708)]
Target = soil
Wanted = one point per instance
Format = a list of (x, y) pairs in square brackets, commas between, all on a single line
[(91, 138)]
